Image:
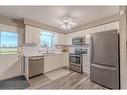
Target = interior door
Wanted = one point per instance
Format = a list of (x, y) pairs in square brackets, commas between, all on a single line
[(10, 61), (105, 48)]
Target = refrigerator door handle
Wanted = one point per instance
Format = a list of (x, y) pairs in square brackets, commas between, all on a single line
[(103, 67), (91, 49)]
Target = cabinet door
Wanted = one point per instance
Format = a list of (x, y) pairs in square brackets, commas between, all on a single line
[(32, 34), (53, 62), (48, 63), (36, 37), (69, 38), (61, 39), (65, 58), (87, 39), (59, 61), (29, 35)]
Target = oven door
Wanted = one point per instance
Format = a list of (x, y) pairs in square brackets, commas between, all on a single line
[(75, 59)]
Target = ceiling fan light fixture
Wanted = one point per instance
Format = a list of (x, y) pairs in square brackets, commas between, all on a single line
[(68, 26), (65, 19), (67, 23), (64, 26)]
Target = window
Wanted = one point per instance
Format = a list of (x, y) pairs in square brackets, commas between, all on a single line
[(8, 42), (47, 39)]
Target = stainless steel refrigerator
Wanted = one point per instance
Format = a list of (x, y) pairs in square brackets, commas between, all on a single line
[(104, 61)]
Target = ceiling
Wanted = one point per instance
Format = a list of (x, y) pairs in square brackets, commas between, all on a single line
[(53, 15)]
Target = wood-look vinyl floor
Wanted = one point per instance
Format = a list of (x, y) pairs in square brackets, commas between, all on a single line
[(73, 80)]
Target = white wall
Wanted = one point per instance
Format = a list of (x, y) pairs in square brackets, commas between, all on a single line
[(123, 46), (10, 66), (8, 28)]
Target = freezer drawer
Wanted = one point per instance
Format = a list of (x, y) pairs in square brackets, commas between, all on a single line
[(36, 66), (105, 75)]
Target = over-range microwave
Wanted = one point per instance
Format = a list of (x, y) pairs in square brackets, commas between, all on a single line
[(78, 40)]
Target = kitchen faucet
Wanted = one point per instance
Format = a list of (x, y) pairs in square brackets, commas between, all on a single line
[(45, 45)]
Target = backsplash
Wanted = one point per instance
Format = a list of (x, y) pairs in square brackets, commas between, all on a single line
[(33, 49), (36, 49)]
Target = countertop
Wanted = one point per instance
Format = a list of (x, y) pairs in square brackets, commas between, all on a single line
[(42, 54)]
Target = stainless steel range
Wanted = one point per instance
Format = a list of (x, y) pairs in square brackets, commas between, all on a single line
[(76, 59)]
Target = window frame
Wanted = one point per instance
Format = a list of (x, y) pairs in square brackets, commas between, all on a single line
[(52, 36), (17, 43)]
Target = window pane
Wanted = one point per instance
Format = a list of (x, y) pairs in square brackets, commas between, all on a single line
[(9, 39), (47, 33), (8, 42), (47, 39), (8, 51)]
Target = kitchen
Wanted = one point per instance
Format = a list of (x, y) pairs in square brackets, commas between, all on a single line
[(57, 54)]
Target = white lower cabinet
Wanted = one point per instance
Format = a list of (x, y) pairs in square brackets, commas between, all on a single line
[(53, 62), (66, 60), (86, 64)]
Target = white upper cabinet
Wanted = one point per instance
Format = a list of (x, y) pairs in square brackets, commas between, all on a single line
[(69, 39), (87, 39), (61, 39), (36, 36), (110, 26), (28, 35), (32, 34)]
